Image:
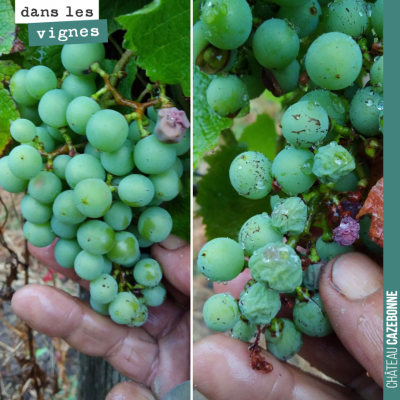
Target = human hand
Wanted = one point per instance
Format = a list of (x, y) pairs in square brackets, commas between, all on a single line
[(351, 287), (156, 355)]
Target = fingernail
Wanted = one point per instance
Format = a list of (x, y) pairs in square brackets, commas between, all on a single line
[(173, 242), (356, 276)]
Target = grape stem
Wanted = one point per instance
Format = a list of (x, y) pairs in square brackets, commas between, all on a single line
[(292, 241)]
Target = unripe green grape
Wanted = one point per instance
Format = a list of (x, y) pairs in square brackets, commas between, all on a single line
[(221, 312), (140, 318), (258, 304), (119, 216), (18, 89), (275, 44), (55, 133), (38, 235), (66, 251), (257, 232), (79, 111), (282, 81), (134, 134), (79, 85), (376, 75), (221, 260), (88, 266), (34, 211), (381, 121), (60, 165), (152, 113), (124, 308), (147, 272), (89, 149), (83, 166), (334, 61), (119, 162), (305, 124), (108, 266), (24, 162), (244, 331), (99, 308), (125, 250), (183, 146), (153, 157), (40, 80), (328, 250), (291, 3), (178, 167), (292, 168), (250, 175), (63, 230), (377, 18), (167, 185), (23, 130), (46, 139), (254, 84), (262, 10), (324, 3), (347, 183), (154, 296), (53, 108), (136, 190), (155, 224), (65, 210), (227, 94), (107, 130), (45, 187), (142, 241), (30, 112), (226, 23), (199, 40), (365, 225), (96, 237), (77, 58), (104, 289), (8, 181), (289, 215)]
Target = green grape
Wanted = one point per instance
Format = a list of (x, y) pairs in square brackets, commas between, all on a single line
[(134, 133), (125, 250), (332, 162), (376, 75), (119, 216), (282, 81), (99, 308), (183, 146), (178, 167), (277, 265), (291, 3), (254, 84), (66, 251), (250, 175), (124, 308), (34, 211), (324, 3), (136, 190), (381, 121), (88, 266), (92, 197), (226, 23), (63, 230), (155, 224), (77, 58), (292, 168), (79, 85), (304, 18), (65, 210), (40, 80), (289, 215), (257, 232), (119, 162), (30, 112), (348, 183), (104, 289), (262, 10), (53, 108), (96, 237), (221, 312), (221, 260), (328, 250), (258, 304), (377, 18), (60, 165), (227, 94), (199, 40), (310, 317), (350, 92), (108, 266), (142, 241), (79, 111), (305, 124), (365, 225), (153, 157), (167, 185), (8, 181), (23, 130), (349, 17), (140, 318), (286, 342), (155, 203), (89, 149), (147, 272), (107, 130), (18, 89), (244, 331), (275, 44), (334, 61), (46, 139), (334, 106), (38, 235), (81, 167), (154, 296), (45, 187), (152, 113), (24, 162)]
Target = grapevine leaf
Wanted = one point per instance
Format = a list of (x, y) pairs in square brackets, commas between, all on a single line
[(108, 66), (207, 125), (125, 85), (9, 113), (7, 27), (7, 69), (223, 210), (179, 208), (159, 34)]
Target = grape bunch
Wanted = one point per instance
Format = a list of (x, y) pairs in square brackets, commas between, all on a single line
[(326, 58), (95, 178)]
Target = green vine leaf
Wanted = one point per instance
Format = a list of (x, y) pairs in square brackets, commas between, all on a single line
[(7, 27), (207, 125), (9, 113), (159, 34), (224, 212), (125, 85), (7, 69)]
